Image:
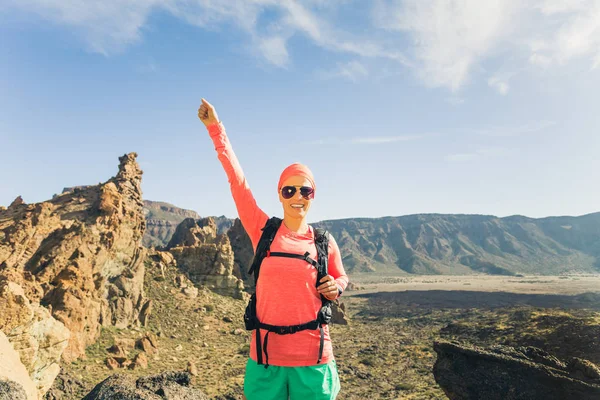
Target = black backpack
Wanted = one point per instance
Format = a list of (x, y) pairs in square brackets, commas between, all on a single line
[(262, 251)]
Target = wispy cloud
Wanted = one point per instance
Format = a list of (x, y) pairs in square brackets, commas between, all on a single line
[(506, 131), (385, 139), (446, 43), (455, 100), (481, 153), (367, 140), (452, 39), (353, 71)]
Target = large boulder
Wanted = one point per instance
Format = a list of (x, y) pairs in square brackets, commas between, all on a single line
[(166, 386), (206, 257), (508, 373), (15, 383)]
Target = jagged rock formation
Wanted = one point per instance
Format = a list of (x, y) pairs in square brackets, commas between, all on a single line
[(79, 256), (168, 386), (161, 221), (243, 253), (338, 313), (507, 373), (205, 256), (15, 382)]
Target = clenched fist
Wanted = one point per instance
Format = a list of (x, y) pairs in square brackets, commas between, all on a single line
[(207, 113)]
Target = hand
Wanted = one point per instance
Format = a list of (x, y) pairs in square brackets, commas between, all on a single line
[(328, 288), (207, 113)]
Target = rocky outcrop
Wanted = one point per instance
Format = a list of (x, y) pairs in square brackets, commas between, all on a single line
[(161, 221), (168, 386), (65, 387), (338, 313), (205, 256), (80, 257), (15, 382), (243, 253), (507, 373)]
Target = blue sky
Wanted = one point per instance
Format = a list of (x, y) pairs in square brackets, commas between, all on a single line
[(398, 107)]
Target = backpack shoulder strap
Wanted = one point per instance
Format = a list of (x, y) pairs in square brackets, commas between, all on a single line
[(264, 244), (322, 244)]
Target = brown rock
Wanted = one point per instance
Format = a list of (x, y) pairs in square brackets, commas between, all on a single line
[(127, 344), (145, 312), (16, 202), (111, 363), (148, 343), (153, 339), (192, 369), (243, 252), (80, 253), (166, 257), (191, 292), (118, 351), (181, 281), (338, 313), (140, 362), (206, 257)]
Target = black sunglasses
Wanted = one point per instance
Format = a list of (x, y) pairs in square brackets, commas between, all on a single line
[(306, 191)]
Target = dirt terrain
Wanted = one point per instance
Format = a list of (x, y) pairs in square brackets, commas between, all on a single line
[(386, 352)]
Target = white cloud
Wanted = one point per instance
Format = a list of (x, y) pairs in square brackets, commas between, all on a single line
[(540, 60), (500, 85), (481, 153), (453, 39), (446, 43), (274, 50), (506, 131), (449, 37), (353, 71)]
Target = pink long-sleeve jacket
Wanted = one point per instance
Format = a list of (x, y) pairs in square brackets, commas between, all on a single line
[(286, 291)]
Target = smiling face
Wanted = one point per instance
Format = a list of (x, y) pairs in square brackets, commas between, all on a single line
[(297, 206)]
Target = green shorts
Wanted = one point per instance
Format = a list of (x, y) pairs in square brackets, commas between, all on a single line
[(318, 382)]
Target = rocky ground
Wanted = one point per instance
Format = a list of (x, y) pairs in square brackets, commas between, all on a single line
[(386, 352)]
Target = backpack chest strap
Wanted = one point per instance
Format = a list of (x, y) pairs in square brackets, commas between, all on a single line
[(305, 257)]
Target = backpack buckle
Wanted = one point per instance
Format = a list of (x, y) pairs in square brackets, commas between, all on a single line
[(268, 253)]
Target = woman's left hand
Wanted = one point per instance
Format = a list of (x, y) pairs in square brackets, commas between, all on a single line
[(328, 288)]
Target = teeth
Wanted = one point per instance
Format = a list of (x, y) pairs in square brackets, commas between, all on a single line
[(297, 205)]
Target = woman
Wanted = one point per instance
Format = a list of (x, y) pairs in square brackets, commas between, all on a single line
[(286, 292)]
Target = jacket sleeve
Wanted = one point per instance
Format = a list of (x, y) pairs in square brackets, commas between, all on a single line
[(335, 266), (251, 216)]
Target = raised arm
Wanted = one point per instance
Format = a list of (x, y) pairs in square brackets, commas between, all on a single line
[(252, 217)]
